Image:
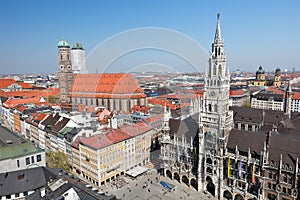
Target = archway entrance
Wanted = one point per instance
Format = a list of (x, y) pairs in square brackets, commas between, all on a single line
[(238, 197), (227, 195), (210, 186), (185, 180), (169, 174), (177, 177), (194, 184)]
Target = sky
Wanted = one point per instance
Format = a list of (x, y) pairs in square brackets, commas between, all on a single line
[(255, 33)]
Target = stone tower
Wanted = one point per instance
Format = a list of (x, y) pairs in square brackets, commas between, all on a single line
[(277, 77), (78, 58), (65, 72), (216, 120), (288, 100)]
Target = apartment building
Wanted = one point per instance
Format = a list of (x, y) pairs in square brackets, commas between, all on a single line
[(102, 157)]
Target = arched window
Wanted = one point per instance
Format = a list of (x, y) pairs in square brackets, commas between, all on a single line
[(214, 70), (220, 69), (209, 107), (210, 141)]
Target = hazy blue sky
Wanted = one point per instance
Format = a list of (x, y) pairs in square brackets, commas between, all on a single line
[(255, 32)]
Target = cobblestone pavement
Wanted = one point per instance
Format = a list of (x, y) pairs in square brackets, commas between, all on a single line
[(141, 188)]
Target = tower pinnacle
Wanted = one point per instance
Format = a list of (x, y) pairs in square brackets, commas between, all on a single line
[(218, 38)]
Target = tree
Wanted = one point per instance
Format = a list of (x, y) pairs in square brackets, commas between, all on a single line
[(58, 159), (52, 99), (247, 103)]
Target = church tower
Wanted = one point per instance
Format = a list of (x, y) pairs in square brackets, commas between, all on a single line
[(65, 72), (216, 119), (78, 58), (277, 77)]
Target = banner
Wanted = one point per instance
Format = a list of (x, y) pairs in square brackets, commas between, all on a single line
[(228, 166), (240, 168), (252, 175)]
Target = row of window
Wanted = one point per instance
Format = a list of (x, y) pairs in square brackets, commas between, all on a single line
[(9, 196), (27, 160)]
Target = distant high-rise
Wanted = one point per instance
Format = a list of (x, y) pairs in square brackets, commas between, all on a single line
[(65, 71), (78, 58)]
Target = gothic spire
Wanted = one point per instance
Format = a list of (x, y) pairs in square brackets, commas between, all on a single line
[(218, 38)]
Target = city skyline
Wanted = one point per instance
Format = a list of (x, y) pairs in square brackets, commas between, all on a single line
[(256, 33)]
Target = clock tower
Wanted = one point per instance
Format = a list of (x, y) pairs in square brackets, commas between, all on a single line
[(216, 119)]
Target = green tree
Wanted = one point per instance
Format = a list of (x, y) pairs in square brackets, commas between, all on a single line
[(58, 159), (247, 103), (52, 99)]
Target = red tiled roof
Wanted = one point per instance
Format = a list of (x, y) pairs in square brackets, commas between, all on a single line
[(75, 144), (296, 95), (106, 86), (31, 93), (24, 85), (21, 108), (113, 136), (239, 92), (154, 118), (10, 103), (96, 141), (5, 82)]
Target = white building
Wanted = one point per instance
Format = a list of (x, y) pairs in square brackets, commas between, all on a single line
[(78, 58), (269, 101), (17, 154)]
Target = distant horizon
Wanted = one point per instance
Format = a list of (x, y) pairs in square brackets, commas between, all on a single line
[(255, 33)]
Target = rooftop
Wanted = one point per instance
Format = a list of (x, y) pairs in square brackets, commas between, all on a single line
[(18, 150), (119, 85), (7, 138)]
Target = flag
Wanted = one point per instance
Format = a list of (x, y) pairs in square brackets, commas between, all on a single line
[(240, 168), (178, 154), (186, 153), (228, 166), (252, 175)]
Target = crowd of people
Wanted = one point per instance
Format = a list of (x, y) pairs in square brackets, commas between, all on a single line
[(119, 182)]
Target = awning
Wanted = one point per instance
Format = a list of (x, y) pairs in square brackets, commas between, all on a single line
[(136, 171)]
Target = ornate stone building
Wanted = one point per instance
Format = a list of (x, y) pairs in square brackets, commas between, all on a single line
[(192, 149), (260, 79), (233, 153), (115, 91), (71, 62)]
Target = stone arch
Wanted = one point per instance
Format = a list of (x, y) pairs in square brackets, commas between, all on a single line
[(169, 174), (238, 197), (209, 170), (209, 161), (194, 183), (210, 187), (227, 195), (185, 180), (177, 177)]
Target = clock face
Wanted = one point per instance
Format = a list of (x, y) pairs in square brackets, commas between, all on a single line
[(212, 93)]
